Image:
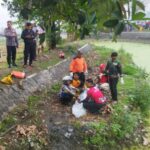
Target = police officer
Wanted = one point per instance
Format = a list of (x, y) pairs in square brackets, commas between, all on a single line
[(28, 36), (114, 71)]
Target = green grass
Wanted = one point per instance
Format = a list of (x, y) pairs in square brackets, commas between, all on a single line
[(33, 100), (130, 69), (8, 122)]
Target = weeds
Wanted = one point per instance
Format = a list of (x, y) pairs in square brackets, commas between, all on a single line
[(8, 122), (130, 69), (118, 129), (32, 101), (139, 97)]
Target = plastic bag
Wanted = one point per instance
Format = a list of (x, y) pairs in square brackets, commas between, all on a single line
[(71, 74), (7, 80), (82, 96), (121, 80), (78, 110), (86, 73)]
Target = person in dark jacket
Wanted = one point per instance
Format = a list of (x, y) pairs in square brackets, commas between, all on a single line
[(28, 36), (114, 71)]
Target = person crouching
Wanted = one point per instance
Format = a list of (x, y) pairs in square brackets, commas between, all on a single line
[(95, 99), (67, 92), (75, 81)]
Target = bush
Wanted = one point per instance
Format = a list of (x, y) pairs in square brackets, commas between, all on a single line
[(124, 57), (8, 122), (114, 133), (130, 69), (139, 97), (55, 88), (32, 101), (141, 74)]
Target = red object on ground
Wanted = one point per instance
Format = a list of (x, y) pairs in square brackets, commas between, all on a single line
[(61, 55), (103, 78), (19, 75)]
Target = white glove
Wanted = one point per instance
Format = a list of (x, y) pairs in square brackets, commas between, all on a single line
[(71, 74), (121, 80), (86, 72), (101, 74)]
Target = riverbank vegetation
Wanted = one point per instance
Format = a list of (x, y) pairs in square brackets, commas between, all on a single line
[(126, 123)]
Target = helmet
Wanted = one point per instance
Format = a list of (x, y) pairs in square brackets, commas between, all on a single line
[(66, 78), (33, 22)]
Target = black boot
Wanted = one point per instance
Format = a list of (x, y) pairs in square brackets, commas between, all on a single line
[(9, 65), (14, 64)]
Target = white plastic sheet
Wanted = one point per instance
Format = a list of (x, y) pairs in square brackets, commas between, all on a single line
[(78, 110), (83, 96)]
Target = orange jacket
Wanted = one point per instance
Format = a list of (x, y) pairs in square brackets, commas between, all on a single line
[(78, 65)]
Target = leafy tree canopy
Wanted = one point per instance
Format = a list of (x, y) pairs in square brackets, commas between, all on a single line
[(81, 15)]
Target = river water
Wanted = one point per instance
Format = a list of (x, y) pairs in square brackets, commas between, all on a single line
[(139, 51)]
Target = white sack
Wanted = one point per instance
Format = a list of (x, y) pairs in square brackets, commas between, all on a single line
[(78, 110)]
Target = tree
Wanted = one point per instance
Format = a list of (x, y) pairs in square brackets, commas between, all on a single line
[(82, 16)]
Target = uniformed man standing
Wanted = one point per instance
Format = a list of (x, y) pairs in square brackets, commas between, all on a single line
[(28, 36), (114, 72)]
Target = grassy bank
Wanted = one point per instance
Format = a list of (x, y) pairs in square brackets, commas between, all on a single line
[(128, 119)]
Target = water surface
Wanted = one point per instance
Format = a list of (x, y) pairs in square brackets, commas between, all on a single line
[(139, 51)]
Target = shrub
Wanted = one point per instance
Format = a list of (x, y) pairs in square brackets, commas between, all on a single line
[(130, 69), (139, 97), (141, 74), (55, 88), (113, 134), (7, 123), (124, 57), (32, 101)]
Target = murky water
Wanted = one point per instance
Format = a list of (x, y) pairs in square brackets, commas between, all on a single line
[(140, 52)]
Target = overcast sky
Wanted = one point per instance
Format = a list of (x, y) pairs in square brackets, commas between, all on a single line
[(4, 14)]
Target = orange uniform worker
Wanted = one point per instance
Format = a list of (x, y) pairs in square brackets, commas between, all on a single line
[(78, 65)]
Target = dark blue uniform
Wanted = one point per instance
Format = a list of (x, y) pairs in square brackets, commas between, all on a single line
[(29, 45), (113, 70)]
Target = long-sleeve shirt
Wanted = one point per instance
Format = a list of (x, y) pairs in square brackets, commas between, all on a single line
[(113, 68), (26, 33), (11, 37), (78, 65), (68, 89)]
